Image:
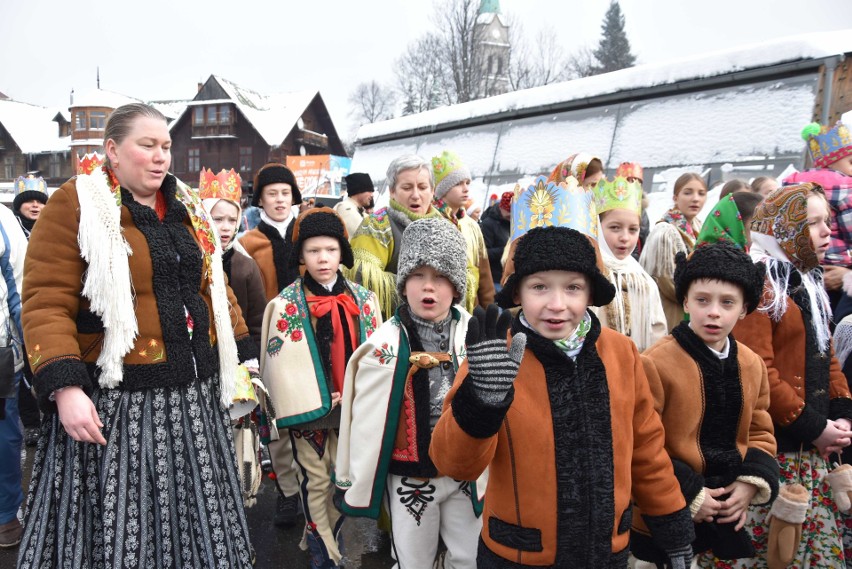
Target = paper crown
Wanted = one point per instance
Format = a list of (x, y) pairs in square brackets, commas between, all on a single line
[(618, 193), (629, 170), (90, 162), (548, 204), (226, 185), (827, 145), (30, 184)]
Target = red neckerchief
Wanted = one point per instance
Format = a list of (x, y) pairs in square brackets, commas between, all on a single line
[(322, 305), (160, 206)]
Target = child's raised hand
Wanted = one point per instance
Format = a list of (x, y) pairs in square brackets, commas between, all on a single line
[(492, 367), (710, 506), (735, 506), (335, 399)]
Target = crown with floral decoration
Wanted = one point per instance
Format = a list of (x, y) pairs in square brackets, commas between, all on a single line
[(30, 184), (630, 170), (548, 204), (618, 193), (226, 185), (90, 162), (827, 145)]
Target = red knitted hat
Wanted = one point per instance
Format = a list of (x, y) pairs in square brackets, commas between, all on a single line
[(506, 201)]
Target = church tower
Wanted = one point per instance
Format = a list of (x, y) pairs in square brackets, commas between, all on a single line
[(493, 35)]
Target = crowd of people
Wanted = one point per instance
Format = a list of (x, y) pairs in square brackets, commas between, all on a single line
[(556, 383)]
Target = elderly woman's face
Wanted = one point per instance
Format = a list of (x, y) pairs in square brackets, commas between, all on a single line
[(413, 190), (141, 161)]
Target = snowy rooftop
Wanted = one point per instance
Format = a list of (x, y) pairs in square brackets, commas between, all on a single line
[(784, 50), (102, 98), (32, 127), (273, 116), (171, 109)]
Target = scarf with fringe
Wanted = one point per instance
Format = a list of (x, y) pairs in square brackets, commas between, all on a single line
[(779, 270), (628, 275), (108, 284)]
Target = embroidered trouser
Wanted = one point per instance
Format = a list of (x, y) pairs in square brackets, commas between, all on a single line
[(315, 452), (421, 511), (281, 455)]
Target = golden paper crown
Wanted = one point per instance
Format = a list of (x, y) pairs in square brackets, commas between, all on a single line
[(226, 185), (90, 162), (618, 194), (546, 204)]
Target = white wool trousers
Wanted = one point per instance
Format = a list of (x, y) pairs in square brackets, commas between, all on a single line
[(421, 511), (281, 455)]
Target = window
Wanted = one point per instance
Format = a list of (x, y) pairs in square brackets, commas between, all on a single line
[(224, 114), (499, 66), (194, 160), (198, 116), (97, 120), (9, 167), (245, 159), (211, 114), (79, 120), (55, 166)]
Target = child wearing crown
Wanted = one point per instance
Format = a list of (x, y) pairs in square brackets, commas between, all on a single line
[(636, 311), (559, 414), (830, 149), (310, 331)]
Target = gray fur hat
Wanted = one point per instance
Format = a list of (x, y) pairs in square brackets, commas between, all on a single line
[(437, 243)]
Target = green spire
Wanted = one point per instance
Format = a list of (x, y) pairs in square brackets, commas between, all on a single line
[(489, 7)]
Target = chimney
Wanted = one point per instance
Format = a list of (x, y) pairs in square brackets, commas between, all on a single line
[(200, 86), (72, 96)]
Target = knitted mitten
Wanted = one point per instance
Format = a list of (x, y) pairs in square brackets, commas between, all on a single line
[(492, 368), (840, 480), (785, 524), (680, 558)]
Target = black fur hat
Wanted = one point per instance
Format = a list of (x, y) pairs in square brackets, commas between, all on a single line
[(273, 173), (358, 183), (720, 261), (556, 249), (320, 222)]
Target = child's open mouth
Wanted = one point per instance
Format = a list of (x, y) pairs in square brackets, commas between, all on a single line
[(428, 301)]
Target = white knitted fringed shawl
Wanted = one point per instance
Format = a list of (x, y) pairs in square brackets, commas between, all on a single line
[(108, 284)]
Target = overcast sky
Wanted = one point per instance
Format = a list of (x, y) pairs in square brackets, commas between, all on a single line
[(160, 49)]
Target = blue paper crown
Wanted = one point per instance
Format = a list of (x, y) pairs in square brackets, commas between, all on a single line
[(30, 184), (547, 204)]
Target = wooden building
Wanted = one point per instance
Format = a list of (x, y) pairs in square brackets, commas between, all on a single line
[(228, 126)]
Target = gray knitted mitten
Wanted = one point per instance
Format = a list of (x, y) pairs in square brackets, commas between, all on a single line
[(492, 367), (680, 558)]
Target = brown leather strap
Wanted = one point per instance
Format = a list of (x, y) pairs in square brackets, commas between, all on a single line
[(428, 360)]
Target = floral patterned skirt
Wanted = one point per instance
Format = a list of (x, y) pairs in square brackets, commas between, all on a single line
[(163, 492), (821, 545)]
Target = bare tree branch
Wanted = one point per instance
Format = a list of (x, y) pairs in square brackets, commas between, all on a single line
[(372, 102)]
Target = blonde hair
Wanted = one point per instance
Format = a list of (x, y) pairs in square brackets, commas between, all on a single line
[(120, 121)]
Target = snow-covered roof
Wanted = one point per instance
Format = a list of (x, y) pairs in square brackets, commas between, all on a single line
[(102, 98), (790, 49), (171, 109), (272, 116), (32, 127), (488, 17)]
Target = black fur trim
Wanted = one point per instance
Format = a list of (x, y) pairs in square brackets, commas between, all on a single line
[(840, 408), (671, 531), (474, 417), (425, 468), (321, 222), (514, 536), (807, 427), (60, 372), (226, 262), (247, 348), (760, 464), (810, 424), (88, 322), (580, 404), (722, 402), (281, 249), (177, 265), (691, 482)]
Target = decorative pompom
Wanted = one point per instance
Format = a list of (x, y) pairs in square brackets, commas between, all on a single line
[(810, 130)]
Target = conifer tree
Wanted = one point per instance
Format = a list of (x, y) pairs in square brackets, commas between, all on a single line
[(613, 51)]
